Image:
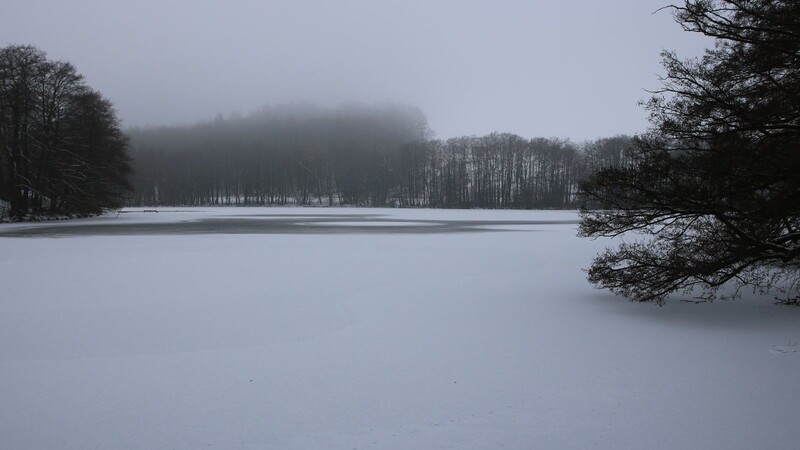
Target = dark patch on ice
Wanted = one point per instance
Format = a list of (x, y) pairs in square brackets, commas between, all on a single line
[(281, 224), (795, 348)]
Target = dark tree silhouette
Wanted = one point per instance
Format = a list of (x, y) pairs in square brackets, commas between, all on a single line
[(715, 185), (61, 149)]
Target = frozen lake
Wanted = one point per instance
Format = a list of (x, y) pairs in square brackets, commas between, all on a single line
[(238, 221), (295, 328)]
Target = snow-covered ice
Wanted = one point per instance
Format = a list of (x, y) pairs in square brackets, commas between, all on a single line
[(301, 328)]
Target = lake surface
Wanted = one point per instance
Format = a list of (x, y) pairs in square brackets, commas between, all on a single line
[(278, 223)]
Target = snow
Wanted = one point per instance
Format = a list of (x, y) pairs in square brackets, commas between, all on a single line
[(483, 334)]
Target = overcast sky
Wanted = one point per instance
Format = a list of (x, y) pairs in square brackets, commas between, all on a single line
[(571, 69)]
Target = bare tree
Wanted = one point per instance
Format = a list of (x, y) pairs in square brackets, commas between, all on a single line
[(716, 185), (61, 149)]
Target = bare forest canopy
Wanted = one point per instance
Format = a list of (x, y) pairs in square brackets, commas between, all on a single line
[(61, 149), (355, 154)]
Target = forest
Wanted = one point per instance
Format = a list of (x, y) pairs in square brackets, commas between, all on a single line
[(63, 152), (356, 154)]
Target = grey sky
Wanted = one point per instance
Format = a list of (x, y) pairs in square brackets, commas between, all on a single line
[(537, 68)]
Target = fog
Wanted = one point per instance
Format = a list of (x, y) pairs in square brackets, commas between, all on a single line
[(536, 68)]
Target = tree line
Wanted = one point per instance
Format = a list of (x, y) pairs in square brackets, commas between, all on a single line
[(62, 152), (61, 147), (366, 155)]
